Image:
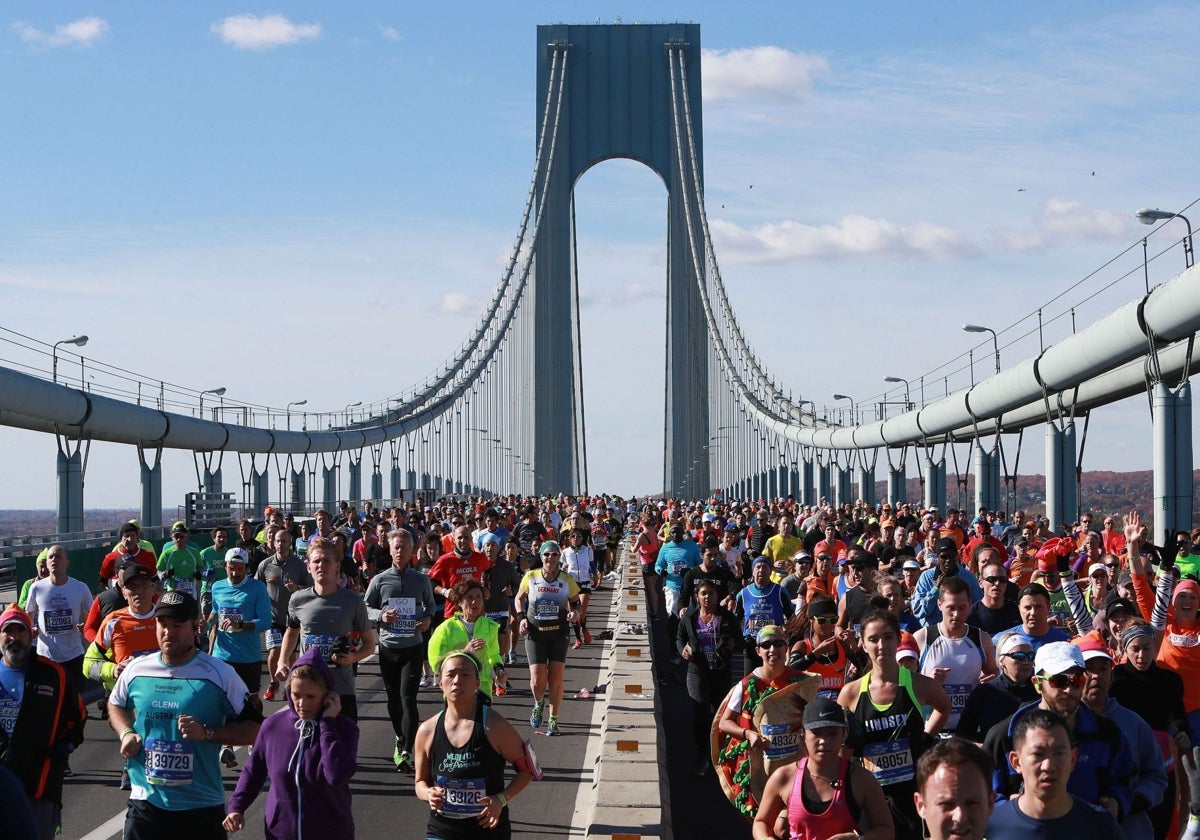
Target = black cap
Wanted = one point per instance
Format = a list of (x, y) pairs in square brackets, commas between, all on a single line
[(1119, 604), (133, 570), (947, 544), (177, 605), (822, 712)]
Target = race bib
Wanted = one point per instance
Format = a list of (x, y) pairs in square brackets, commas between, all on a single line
[(676, 568), (323, 643), (168, 763), (1183, 639), (498, 616), (274, 637), (58, 621), (405, 625), (463, 798), (234, 614), (781, 743), (545, 611), (959, 692), (889, 762), (187, 585)]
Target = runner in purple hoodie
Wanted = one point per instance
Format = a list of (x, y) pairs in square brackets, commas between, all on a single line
[(309, 752)]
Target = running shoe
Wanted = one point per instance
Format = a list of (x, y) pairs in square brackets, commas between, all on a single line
[(535, 717), (587, 637), (577, 644), (427, 681), (228, 758), (511, 659), (552, 725), (404, 764), (271, 691)]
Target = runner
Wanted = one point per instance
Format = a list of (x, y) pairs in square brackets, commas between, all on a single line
[(546, 607), (400, 600), (470, 630), (284, 573), (708, 635), (955, 654), (58, 605), (460, 760), (887, 704), (827, 651), (823, 795), (579, 562), (500, 582), (760, 604), (171, 711)]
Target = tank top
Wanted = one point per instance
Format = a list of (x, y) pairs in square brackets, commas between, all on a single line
[(760, 608), (468, 774), (548, 602), (835, 819), (832, 674), (890, 736), (648, 552), (963, 656)]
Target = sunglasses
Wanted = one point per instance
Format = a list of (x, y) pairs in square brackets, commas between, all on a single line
[(824, 556), (994, 579), (551, 553), (946, 555), (1020, 656), (825, 619), (1112, 565), (774, 643), (1064, 681)]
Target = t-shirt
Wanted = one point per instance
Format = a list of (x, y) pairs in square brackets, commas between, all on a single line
[(12, 689), (1009, 822), (321, 619), (170, 772), (246, 602), (57, 612)]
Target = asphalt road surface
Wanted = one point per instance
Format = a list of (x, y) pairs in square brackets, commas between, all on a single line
[(384, 802)]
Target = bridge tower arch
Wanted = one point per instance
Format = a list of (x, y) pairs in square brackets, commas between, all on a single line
[(618, 103)]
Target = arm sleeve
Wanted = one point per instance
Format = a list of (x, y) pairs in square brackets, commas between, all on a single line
[(262, 610), (339, 749), (1162, 598), (1079, 611), (98, 666), (92, 623)]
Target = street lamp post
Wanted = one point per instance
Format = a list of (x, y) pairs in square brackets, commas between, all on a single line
[(853, 409), (976, 328), (1148, 217), (289, 411), (907, 398), (346, 411), (216, 392), (78, 341)]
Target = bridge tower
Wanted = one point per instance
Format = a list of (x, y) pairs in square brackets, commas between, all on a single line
[(618, 103)]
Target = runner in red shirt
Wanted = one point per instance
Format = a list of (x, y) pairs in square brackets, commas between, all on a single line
[(462, 561), (130, 534)]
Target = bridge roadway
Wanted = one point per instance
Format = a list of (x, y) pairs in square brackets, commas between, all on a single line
[(384, 802)]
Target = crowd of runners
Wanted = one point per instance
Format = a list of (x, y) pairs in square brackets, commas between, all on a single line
[(876, 671), (171, 651)]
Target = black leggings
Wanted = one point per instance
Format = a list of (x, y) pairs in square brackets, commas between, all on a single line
[(706, 689), (401, 672)]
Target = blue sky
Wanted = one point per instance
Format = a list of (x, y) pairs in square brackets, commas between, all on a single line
[(314, 201)]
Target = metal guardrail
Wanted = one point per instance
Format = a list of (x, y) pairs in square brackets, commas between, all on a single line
[(28, 546)]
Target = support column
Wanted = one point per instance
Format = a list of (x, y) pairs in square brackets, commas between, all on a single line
[(844, 489), (808, 482), (825, 483), (935, 484), (1183, 457), (296, 481), (866, 484), (329, 478), (396, 481), (1165, 463), (376, 483), (772, 477), (895, 489), (983, 476), (70, 491), (1062, 503), (151, 488), (260, 489), (212, 480), (356, 465), (794, 486)]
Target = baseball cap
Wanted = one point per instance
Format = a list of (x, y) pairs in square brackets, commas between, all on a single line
[(771, 631), (179, 528), (236, 555), (947, 544), (1117, 605), (15, 614), (177, 605), (823, 712), (1057, 658), (1097, 567), (135, 570), (1092, 646), (732, 527), (908, 647), (911, 564), (802, 557)]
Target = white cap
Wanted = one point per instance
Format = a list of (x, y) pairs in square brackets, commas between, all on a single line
[(237, 555), (1057, 658), (1097, 567)]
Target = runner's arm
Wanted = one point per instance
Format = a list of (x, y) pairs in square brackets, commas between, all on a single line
[(875, 811)]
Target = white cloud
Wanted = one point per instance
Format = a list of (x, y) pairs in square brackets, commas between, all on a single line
[(390, 33), (457, 303), (82, 32), (760, 73), (1062, 221), (854, 236), (250, 32)]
